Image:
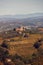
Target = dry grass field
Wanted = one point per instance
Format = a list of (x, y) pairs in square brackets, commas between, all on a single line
[(23, 46)]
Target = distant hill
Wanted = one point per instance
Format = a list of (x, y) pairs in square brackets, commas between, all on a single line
[(21, 16)]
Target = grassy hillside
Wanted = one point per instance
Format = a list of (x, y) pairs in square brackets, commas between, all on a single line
[(21, 50)]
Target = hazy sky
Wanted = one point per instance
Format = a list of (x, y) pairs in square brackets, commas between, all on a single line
[(20, 7)]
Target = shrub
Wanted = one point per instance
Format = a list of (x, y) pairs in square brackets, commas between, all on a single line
[(16, 57), (37, 45), (4, 44)]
